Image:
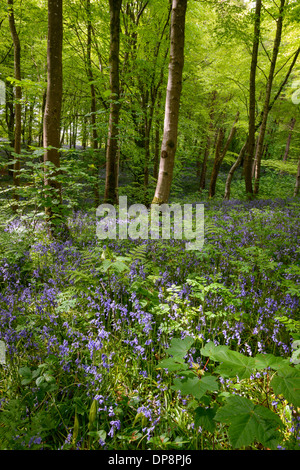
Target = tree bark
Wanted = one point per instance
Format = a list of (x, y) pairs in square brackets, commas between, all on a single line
[(169, 141), (219, 156), (52, 116), (112, 150), (297, 185), (30, 122), (9, 112), (288, 142), (156, 150), (268, 96), (232, 170), (252, 92), (18, 94), (208, 143), (258, 124), (93, 101), (90, 75)]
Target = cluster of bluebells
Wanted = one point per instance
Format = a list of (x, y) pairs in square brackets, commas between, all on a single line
[(45, 314)]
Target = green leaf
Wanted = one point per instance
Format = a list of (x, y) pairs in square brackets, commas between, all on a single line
[(287, 383), (249, 423), (232, 364), (195, 386), (180, 347), (101, 434), (120, 266), (40, 380), (263, 361), (205, 418), (211, 350), (26, 373), (172, 364)]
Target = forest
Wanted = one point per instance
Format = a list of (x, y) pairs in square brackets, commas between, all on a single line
[(112, 338)]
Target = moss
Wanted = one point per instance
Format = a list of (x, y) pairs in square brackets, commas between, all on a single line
[(156, 200)]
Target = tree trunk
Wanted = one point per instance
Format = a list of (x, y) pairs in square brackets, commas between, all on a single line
[(18, 94), (297, 185), (169, 141), (112, 152), (156, 150), (257, 126), (52, 116), (208, 143), (288, 142), (30, 122), (252, 88), (219, 157), (232, 170), (41, 128), (268, 96), (93, 101), (9, 112), (90, 75)]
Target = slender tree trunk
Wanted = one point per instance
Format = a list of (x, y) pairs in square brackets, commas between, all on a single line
[(156, 150), (232, 170), (208, 143), (258, 124), (84, 133), (30, 122), (215, 169), (288, 142), (252, 86), (10, 120), (297, 185), (18, 94), (268, 96), (219, 156), (90, 75), (112, 149), (93, 102), (41, 126), (169, 142), (53, 198)]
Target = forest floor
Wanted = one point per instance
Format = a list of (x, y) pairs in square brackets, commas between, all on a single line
[(142, 344)]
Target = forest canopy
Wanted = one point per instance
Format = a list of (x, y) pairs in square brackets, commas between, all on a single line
[(115, 72)]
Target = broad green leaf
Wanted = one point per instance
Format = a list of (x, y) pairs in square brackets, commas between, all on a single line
[(180, 347), (211, 350), (205, 418), (195, 386), (26, 373), (249, 423), (263, 361), (287, 383), (232, 363), (172, 364), (40, 380)]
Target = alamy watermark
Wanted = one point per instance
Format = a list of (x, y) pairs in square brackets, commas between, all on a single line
[(2, 93), (137, 221), (296, 94)]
